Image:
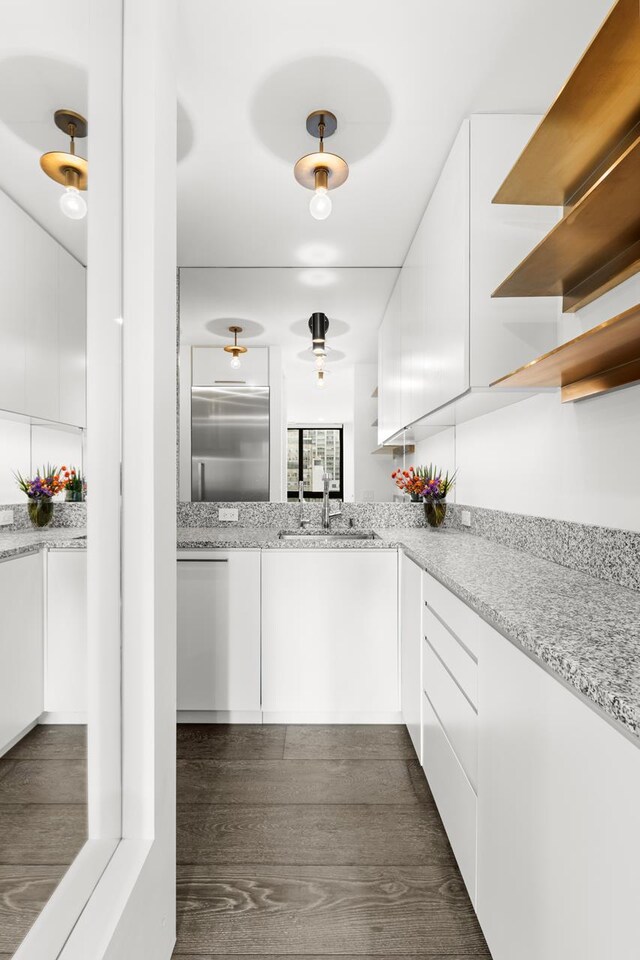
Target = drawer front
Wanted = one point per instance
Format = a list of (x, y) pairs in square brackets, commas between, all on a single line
[(459, 618), (457, 716), (454, 795), (458, 661)]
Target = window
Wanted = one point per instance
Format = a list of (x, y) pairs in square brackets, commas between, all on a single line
[(312, 452)]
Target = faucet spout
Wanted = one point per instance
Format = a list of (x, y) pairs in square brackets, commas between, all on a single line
[(327, 515)]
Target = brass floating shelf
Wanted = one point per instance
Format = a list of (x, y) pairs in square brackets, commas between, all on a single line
[(594, 247), (602, 359), (593, 112)]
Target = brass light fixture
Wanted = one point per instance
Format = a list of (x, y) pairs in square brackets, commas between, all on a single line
[(234, 348), (321, 171), (67, 168)]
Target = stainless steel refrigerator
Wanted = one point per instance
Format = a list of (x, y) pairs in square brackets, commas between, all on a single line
[(230, 443)]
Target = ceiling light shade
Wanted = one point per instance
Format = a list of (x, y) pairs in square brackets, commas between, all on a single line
[(234, 349), (321, 171), (318, 325), (67, 168)]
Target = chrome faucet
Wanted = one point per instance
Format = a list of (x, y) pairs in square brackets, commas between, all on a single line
[(303, 522), (327, 516)]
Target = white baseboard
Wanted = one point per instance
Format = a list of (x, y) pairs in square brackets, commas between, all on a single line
[(63, 716), (219, 716), (322, 716)]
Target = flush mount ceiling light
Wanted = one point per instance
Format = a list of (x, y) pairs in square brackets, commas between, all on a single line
[(318, 324), (321, 171), (67, 168), (234, 348)]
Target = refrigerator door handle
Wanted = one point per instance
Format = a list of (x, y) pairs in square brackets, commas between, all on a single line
[(201, 479)]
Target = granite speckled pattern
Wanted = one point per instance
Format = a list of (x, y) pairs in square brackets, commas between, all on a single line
[(64, 515), (17, 543), (266, 538), (586, 631), (287, 515)]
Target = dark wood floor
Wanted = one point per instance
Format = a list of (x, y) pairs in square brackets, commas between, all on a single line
[(43, 823), (313, 842)]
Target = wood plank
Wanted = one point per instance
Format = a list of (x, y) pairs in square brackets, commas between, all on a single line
[(419, 783), (293, 781), (610, 346), (597, 231), (329, 834), (41, 833), (240, 741), (599, 103), (348, 742), (306, 956), (23, 893), (326, 911), (38, 781), (51, 742)]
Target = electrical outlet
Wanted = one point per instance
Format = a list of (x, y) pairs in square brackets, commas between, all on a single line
[(6, 518), (465, 518), (228, 513)]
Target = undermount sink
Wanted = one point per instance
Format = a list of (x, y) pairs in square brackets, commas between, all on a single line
[(326, 535)]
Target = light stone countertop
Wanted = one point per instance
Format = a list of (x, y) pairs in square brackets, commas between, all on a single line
[(584, 630)]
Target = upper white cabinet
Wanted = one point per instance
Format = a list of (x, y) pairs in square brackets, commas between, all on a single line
[(219, 632), (211, 365), (330, 636), (443, 335), (42, 323)]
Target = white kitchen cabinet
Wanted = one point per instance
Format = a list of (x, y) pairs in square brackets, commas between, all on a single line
[(42, 327), (65, 688), (558, 825), (411, 649), (21, 645), (219, 634), (330, 636), (453, 337), (211, 365)]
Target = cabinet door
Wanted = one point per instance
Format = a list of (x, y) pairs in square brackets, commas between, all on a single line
[(66, 633), (21, 645), (41, 298), (72, 339), (330, 635), (13, 326), (411, 648), (558, 825), (219, 632)]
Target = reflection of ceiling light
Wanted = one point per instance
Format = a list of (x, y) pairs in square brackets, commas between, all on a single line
[(67, 168), (234, 348), (318, 277), (320, 359), (317, 254), (321, 171), (320, 379), (318, 324)]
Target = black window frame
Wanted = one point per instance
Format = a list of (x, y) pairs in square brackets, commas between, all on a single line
[(314, 494)]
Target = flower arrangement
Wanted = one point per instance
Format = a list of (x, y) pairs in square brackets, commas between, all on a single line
[(436, 487), (74, 484), (410, 481), (40, 490)]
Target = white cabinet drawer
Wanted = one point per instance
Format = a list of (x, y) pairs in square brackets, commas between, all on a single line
[(453, 794), (459, 618), (456, 658), (455, 712)]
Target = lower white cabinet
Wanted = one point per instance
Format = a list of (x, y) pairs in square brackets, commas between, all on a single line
[(21, 645), (558, 824), (411, 649), (330, 636), (65, 689), (219, 632)]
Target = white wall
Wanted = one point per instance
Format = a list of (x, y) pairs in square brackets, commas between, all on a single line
[(372, 472), (575, 461)]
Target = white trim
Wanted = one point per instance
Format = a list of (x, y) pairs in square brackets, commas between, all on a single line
[(64, 717), (219, 716), (326, 716), (48, 935)]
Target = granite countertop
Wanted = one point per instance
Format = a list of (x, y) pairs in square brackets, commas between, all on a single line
[(19, 542), (266, 538)]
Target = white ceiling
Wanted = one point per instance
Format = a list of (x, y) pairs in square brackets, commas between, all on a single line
[(400, 77)]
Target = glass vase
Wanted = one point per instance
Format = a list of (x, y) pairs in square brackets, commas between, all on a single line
[(40, 512), (74, 496), (435, 511)]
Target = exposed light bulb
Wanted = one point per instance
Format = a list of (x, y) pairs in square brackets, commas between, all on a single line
[(320, 358), (235, 362), (73, 204), (320, 206), (320, 379)]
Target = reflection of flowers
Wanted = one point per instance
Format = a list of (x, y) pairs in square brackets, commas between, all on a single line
[(46, 483), (410, 481), (74, 483)]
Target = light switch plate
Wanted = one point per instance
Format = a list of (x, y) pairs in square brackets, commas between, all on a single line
[(228, 513), (465, 518), (6, 518)]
